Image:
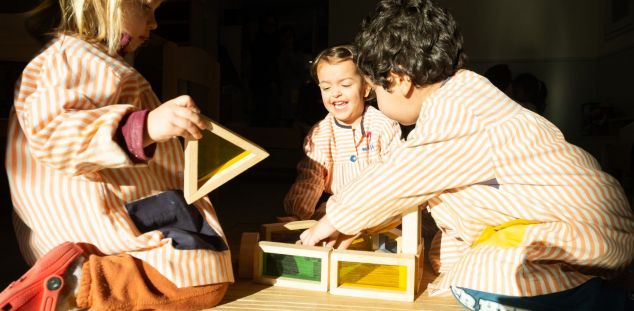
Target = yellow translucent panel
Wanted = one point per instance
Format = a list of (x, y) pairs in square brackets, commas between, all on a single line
[(367, 275), (216, 154)]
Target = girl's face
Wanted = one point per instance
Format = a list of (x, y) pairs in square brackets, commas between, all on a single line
[(138, 21), (342, 90)]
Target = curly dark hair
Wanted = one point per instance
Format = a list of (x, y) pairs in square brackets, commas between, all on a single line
[(412, 37)]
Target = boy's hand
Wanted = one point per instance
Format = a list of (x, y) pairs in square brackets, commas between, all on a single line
[(176, 117), (344, 241), (323, 230)]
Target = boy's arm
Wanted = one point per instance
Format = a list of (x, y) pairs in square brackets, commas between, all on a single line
[(449, 152), (390, 138)]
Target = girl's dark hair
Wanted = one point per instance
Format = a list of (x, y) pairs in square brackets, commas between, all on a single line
[(333, 55), (412, 37), (337, 54)]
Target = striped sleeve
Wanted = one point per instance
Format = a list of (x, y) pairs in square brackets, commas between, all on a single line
[(390, 138), (70, 120), (302, 197), (448, 152)]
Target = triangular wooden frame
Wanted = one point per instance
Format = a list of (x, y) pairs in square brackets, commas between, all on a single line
[(230, 169)]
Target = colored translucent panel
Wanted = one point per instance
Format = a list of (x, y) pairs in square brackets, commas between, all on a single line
[(215, 155), (367, 275), (297, 267)]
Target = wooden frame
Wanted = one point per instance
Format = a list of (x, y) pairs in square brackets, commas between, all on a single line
[(413, 272), (280, 249), (248, 243), (269, 229), (375, 272), (409, 258), (234, 156), (316, 252)]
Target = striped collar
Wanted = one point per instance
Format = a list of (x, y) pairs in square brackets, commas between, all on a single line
[(350, 126)]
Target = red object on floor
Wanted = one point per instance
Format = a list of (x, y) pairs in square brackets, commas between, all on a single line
[(39, 287)]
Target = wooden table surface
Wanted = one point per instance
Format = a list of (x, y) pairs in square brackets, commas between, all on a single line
[(247, 295)]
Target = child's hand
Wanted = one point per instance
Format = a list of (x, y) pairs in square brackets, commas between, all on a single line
[(323, 230), (344, 241), (176, 117)]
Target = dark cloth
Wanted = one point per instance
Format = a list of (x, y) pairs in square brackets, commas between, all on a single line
[(169, 213)]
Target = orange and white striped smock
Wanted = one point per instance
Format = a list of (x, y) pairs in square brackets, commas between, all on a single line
[(70, 179), (538, 214), (335, 155)]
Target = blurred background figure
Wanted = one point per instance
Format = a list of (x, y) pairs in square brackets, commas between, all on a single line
[(530, 92), (500, 76)]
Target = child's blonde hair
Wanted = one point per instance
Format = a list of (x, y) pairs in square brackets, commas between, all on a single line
[(95, 21)]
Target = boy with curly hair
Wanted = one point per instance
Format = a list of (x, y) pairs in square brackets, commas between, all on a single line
[(539, 223)]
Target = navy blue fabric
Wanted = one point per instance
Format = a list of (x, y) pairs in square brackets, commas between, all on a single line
[(591, 295), (169, 213)]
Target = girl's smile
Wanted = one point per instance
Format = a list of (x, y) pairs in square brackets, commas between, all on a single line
[(343, 90)]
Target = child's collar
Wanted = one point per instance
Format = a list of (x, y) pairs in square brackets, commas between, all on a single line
[(365, 109)]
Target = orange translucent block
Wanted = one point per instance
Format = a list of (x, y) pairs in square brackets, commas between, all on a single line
[(373, 276)]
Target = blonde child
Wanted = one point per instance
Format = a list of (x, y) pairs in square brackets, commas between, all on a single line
[(349, 139), (87, 139), (542, 224)]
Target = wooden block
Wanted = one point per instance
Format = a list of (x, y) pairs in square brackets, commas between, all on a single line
[(420, 264), (215, 159), (269, 229), (411, 230), (375, 275), (290, 265), (248, 244)]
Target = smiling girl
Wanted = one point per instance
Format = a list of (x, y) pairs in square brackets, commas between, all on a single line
[(351, 137)]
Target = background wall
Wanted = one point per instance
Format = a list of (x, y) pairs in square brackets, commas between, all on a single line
[(565, 43)]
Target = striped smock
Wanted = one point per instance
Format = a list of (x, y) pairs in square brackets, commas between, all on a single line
[(335, 155), (537, 214), (70, 179)]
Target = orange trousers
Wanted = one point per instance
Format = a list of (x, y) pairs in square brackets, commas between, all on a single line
[(122, 282)]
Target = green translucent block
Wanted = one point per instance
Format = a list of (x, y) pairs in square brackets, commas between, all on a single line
[(297, 267), (374, 276)]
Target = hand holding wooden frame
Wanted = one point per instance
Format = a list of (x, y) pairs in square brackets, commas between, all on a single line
[(215, 159)]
